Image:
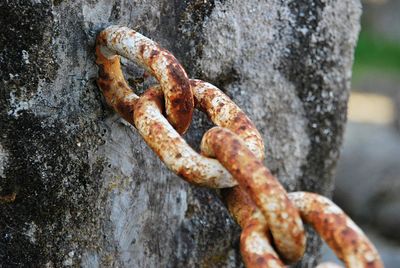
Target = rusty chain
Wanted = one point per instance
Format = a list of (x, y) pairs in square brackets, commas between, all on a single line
[(231, 157)]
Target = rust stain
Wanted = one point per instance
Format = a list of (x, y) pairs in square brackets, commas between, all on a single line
[(172, 148), (254, 240), (341, 234), (8, 198), (174, 82), (259, 203), (225, 113), (153, 54), (142, 48), (265, 191)]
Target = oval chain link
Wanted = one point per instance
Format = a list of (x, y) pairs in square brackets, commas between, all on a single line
[(231, 157)]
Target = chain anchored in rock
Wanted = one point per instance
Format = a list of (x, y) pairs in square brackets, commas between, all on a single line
[(174, 82), (232, 155)]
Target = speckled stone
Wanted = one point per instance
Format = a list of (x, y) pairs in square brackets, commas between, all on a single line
[(90, 193)]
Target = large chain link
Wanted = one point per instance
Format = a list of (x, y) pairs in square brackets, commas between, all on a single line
[(231, 157)]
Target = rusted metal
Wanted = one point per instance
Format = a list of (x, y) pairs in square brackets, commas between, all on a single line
[(263, 188), (342, 235), (225, 113), (259, 203), (222, 111), (172, 148), (8, 198), (112, 83), (116, 40), (165, 141), (255, 244)]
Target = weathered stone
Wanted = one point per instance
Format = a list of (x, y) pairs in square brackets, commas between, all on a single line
[(90, 192)]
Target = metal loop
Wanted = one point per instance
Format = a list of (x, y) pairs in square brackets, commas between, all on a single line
[(264, 189), (255, 244), (342, 235), (259, 204), (116, 40), (225, 113), (254, 241), (172, 148)]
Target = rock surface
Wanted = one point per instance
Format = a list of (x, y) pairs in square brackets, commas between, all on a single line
[(90, 193)]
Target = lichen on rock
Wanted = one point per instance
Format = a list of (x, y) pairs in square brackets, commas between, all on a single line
[(89, 192)]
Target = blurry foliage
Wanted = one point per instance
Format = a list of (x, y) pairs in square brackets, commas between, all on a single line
[(374, 52)]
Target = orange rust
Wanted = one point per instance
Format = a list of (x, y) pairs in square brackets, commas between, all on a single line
[(264, 189), (8, 198), (254, 230), (142, 48), (239, 204), (225, 113), (111, 81), (101, 38), (179, 100), (153, 54), (170, 146), (341, 234), (259, 204)]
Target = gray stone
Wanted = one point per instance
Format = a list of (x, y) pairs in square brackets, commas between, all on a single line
[(90, 192)]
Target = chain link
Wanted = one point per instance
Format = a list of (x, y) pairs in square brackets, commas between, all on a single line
[(157, 61), (231, 157)]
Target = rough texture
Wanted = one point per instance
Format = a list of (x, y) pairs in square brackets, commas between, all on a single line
[(89, 192), (346, 239)]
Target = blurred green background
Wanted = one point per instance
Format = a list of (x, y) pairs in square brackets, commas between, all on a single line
[(379, 41), (375, 52)]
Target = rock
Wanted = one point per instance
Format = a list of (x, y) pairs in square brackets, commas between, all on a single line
[(88, 182)]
